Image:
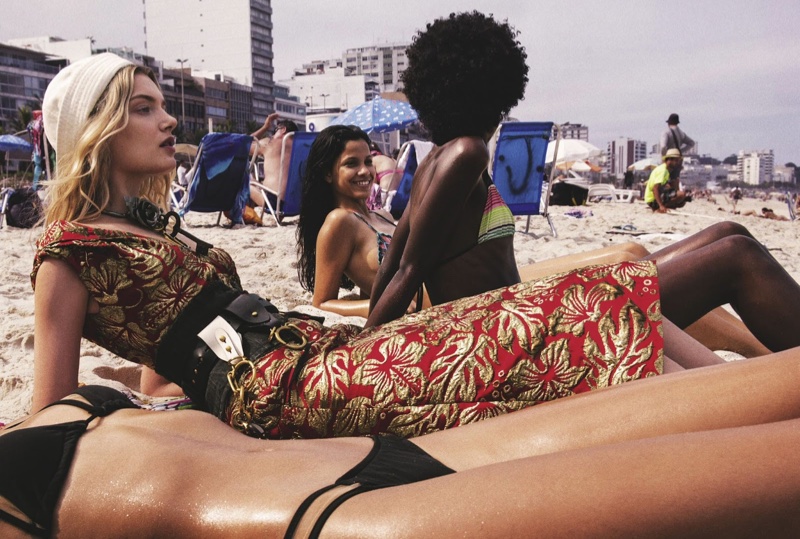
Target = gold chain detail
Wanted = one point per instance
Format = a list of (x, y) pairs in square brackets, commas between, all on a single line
[(242, 380)]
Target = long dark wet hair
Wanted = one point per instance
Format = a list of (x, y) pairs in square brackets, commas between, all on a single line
[(317, 199)]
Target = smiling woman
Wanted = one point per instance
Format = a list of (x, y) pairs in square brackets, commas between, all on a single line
[(341, 242)]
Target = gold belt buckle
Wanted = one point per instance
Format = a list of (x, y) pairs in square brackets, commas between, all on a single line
[(293, 331)]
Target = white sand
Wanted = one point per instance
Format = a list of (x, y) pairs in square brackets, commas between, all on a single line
[(266, 261)]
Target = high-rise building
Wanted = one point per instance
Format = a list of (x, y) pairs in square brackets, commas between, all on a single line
[(755, 167), (234, 37), (622, 153), (384, 63)]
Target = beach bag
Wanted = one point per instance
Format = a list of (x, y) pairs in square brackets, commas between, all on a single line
[(24, 208)]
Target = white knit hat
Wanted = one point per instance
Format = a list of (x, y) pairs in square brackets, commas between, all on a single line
[(72, 95)]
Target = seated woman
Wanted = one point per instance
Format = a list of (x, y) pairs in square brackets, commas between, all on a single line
[(577, 467), (112, 268), (340, 241), (456, 235)]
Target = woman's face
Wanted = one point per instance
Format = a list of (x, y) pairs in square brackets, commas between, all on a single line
[(146, 146), (353, 173)]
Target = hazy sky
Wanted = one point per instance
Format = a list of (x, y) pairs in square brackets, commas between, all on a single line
[(730, 69)]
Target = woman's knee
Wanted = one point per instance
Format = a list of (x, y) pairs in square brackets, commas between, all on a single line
[(727, 229), (635, 251), (742, 251)]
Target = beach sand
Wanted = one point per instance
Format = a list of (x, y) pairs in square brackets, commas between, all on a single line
[(266, 260)]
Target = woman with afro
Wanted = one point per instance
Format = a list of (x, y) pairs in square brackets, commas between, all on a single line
[(465, 73)]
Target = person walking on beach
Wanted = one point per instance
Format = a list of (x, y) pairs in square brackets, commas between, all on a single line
[(674, 138), (663, 191)]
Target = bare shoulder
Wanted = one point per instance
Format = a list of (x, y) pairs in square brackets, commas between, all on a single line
[(337, 223), (467, 149)]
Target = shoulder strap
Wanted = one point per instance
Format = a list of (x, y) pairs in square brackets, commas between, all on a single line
[(675, 138)]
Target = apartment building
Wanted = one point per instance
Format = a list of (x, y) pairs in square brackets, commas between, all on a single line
[(755, 167), (622, 153), (233, 37)]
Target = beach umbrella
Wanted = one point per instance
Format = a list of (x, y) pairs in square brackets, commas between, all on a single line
[(379, 115), (571, 150), (13, 143), (648, 163), (189, 149), (578, 166)]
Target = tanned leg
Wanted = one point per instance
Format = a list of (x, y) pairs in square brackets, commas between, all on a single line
[(739, 271)]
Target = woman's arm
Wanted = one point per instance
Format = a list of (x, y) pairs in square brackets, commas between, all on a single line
[(155, 385), (60, 303), (335, 247), (421, 238)]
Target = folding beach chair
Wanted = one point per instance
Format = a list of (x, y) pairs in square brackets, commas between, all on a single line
[(221, 179), (5, 195), (518, 168), (298, 158), (411, 153)]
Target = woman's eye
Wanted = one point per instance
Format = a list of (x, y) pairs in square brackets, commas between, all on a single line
[(143, 110)]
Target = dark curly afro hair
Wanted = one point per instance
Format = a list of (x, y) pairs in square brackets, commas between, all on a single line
[(464, 74)]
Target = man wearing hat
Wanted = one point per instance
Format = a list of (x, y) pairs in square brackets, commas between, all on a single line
[(673, 137), (662, 191)]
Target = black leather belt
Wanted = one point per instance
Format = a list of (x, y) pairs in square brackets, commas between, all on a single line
[(200, 369)]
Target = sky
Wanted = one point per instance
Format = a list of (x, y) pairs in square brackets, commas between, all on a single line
[(730, 69)]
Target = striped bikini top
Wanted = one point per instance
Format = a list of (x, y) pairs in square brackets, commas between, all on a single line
[(497, 220)]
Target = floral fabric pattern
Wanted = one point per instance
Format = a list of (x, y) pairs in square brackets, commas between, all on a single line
[(452, 364), (467, 360), (141, 283)]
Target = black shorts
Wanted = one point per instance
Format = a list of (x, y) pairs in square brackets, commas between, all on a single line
[(666, 196)]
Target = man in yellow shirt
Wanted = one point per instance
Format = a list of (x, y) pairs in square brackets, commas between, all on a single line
[(663, 189)]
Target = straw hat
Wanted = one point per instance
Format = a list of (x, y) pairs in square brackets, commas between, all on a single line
[(72, 95), (672, 152)]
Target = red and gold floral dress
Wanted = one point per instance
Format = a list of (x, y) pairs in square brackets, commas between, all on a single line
[(452, 364)]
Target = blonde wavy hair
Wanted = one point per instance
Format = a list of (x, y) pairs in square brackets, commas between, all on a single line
[(80, 187)]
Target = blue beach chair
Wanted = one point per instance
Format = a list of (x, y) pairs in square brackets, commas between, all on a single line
[(298, 159), (518, 168), (409, 154), (221, 179)]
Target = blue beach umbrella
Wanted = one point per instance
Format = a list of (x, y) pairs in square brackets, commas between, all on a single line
[(379, 115), (12, 143)]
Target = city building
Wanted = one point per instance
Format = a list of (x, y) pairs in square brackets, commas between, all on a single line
[(622, 153), (330, 89), (783, 174), (289, 106), (24, 76), (233, 37), (755, 167), (575, 131), (384, 63)]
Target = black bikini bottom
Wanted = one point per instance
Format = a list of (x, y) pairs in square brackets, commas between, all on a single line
[(391, 462)]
